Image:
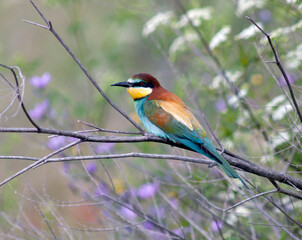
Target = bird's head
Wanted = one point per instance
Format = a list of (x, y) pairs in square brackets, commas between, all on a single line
[(139, 85)]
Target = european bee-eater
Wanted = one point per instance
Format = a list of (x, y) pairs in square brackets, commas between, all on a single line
[(165, 115)]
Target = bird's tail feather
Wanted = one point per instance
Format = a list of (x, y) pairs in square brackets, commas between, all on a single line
[(205, 147), (210, 151), (227, 168)]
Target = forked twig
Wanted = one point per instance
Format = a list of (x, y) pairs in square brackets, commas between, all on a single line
[(39, 162), (277, 61), (222, 72), (249, 199), (19, 95), (52, 30), (106, 130)]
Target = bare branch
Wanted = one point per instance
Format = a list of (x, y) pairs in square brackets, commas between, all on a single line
[(36, 24), (52, 30), (277, 61), (39, 162), (106, 130), (235, 161), (20, 98), (222, 72), (249, 199)]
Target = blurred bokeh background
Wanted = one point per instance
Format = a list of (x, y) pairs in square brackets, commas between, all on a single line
[(114, 40)]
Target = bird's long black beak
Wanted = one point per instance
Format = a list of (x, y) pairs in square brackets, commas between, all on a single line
[(122, 84)]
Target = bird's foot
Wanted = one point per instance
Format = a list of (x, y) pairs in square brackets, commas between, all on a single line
[(222, 151), (213, 164), (147, 134)]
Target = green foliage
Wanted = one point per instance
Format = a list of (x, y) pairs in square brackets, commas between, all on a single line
[(8, 199)]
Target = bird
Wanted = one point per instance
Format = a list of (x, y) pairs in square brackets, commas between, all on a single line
[(165, 115)]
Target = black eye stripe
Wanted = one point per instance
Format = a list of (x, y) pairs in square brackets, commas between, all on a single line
[(143, 84)]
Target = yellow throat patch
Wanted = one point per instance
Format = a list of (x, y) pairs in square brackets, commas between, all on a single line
[(137, 93)]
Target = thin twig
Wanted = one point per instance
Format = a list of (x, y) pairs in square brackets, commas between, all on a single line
[(110, 156), (280, 190), (107, 130), (36, 24), (52, 30), (222, 72), (20, 98), (249, 199), (39, 162), (277, 61)]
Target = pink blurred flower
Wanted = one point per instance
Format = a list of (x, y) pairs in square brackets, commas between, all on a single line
[(104, 147), (265, 15), (55, 143), (147, 190), (40, 82), (148, 225), (39, 110), (72, 139), (292, 78), (92, 167), (101, 190), (66, 167), (216, 225), (127, 213), (220, 105)]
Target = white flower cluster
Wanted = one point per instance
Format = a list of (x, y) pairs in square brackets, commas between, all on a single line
[(294, 58), (286, 30), (278, 108), (157, 20), (281, 111), (242, 211), (234, 101), (244, 5), (248, 32), (274, 102), (196, 15), (282, 137), (219, 81), (180, 43), (219, 37), (243, 118)]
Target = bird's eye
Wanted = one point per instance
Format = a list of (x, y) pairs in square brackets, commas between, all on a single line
[(141, 84)]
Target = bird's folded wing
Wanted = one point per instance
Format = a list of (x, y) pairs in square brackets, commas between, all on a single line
[(175, 119)]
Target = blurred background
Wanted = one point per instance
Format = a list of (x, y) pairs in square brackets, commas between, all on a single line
[(137, 198)]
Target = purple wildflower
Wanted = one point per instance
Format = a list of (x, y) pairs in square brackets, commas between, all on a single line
[(56, 142), (92, 167), (292, 78), (101, 190), (220, 105), (71, 139), (174, 202), (178, 231), (182, 231), (72, 187), (127, 213), (104, 147), (147, 190), (66, 167), (148, 225), (39, 110), (40, 82), (265, 15), (216, 225)]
